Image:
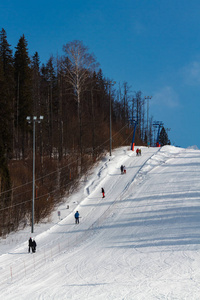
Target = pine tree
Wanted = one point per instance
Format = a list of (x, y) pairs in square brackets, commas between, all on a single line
[(6, 55), (36, 79), (48, 100), (23, 97), (7, 91), (6, 98), (163, 138)]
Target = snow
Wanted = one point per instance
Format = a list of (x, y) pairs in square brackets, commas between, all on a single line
[(142, 241)]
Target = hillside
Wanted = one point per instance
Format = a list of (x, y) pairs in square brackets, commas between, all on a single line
[(140, 242)]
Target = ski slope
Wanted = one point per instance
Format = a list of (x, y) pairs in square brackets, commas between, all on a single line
[(142, 241)]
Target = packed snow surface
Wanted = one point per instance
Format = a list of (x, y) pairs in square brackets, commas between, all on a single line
[(140, 242)]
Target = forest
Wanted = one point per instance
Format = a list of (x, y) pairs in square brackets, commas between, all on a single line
[(69, 115)]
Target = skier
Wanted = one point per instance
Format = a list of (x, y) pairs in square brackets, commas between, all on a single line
[(137, 152), (34, 246), (122, 169), (30, 245), (103, 192), (76, 216)]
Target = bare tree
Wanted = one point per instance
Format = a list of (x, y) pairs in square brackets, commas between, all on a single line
[(77, 65)]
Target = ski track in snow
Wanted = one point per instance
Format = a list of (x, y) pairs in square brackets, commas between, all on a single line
[(140, 242)]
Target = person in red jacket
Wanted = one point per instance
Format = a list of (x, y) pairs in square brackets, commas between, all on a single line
[(103, 192)]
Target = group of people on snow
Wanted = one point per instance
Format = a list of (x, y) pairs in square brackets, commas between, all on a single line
[(123, 169), (138, 152), (32, 245)]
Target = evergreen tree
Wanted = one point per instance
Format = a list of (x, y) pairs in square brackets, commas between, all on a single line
[(7, 91), (6, 98), (6, 55), (49, 100), (4, 142), (36, 79), (163, 137), (23, 97)]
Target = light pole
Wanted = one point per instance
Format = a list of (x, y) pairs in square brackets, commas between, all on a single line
[(110, 83), (33, 120), (148, 97)]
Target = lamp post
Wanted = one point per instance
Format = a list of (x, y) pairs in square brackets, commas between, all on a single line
[(148, 97), (110, 83), (33, 120)]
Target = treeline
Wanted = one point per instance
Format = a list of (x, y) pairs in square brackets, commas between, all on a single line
[(77, 103)]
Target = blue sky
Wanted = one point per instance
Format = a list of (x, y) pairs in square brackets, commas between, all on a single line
[(154, 45)]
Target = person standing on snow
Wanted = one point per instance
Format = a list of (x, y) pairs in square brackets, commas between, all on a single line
[(34, 246), (122, 169), (103, 192), (30, 245), (76, 216)]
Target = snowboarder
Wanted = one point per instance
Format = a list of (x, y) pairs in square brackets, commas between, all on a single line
[(34, 245), (76, 216), (122, 169), (30, 245), (103, 192)]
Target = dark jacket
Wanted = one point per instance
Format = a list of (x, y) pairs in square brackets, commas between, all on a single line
[(76, 215), (34, 246), (30, 242)]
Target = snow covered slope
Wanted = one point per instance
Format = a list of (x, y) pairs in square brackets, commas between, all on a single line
[(140, 242)]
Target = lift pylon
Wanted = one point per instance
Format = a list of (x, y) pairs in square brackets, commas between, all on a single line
[(159, 125)]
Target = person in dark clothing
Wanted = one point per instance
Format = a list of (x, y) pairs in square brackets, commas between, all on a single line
[(30, 244), (34, 246), (122, 169), (103, 192), (76, 217)]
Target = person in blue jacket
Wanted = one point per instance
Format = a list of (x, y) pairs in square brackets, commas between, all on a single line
[(76, 217)]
